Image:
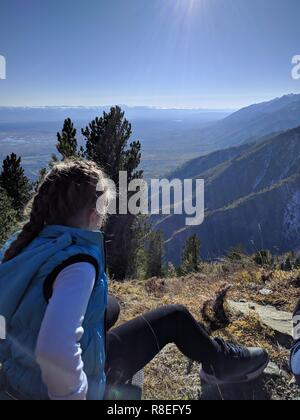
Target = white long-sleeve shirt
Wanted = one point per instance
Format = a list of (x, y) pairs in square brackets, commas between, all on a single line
[(58, 351)]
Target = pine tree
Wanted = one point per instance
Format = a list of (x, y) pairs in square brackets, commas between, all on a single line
[(236, 253), (67, 141), (106, 141), (140, 231), (263, 258), (191, 255), (14, 181), (288, 265), (171, 271), (155, 251), (297, 264), (8, 217)]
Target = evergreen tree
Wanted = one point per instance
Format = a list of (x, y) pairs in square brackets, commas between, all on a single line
[(106, 140), (67, 141), (191, 255), (263, 258), (297, 264), (8, 217), (288, 265), (155, 251), (140, 231), (15, 183), (236, 254), (171, 271)]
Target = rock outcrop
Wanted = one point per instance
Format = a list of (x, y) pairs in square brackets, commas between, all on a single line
[(278, 321)]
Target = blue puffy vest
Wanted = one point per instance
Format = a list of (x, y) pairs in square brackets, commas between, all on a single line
[(23, 305)]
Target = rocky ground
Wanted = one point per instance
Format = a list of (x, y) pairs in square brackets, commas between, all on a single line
[(237, 301)]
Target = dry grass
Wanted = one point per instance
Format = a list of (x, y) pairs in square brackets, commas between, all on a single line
[(168, 376)]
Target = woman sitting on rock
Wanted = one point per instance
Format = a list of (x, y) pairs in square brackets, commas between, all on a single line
[(54, 296)]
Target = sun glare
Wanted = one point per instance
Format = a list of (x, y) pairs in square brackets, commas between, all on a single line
[(191, 5), (188, 7)]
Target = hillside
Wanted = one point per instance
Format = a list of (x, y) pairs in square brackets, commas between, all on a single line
[(250, 124), (170, 375), (251, 199)]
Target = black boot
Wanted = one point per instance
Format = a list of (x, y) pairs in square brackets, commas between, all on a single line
[(235, 364)]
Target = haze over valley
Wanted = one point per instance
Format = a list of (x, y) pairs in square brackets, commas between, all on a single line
[(169, 136)]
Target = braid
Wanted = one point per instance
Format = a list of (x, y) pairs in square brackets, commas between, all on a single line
[(31, 229), (67, 190)]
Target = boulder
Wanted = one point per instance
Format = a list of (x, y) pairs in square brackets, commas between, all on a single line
[(279, 321)]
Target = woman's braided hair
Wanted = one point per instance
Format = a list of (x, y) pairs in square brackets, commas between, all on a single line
[(65, 192)]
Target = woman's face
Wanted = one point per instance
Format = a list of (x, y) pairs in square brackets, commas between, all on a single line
[(95, 220), (97, 216)]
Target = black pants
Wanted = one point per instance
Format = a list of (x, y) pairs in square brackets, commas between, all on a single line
[(132, 345)]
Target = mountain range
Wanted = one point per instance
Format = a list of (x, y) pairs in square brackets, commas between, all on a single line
[(252, 123), (86, 113), (252, 198)]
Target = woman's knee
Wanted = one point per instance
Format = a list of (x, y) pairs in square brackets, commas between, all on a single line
[(178, 320), (179, 309)]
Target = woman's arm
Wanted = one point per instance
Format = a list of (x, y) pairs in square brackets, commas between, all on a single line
[(58, 351)]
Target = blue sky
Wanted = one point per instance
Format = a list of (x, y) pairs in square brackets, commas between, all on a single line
[(168, 53)]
